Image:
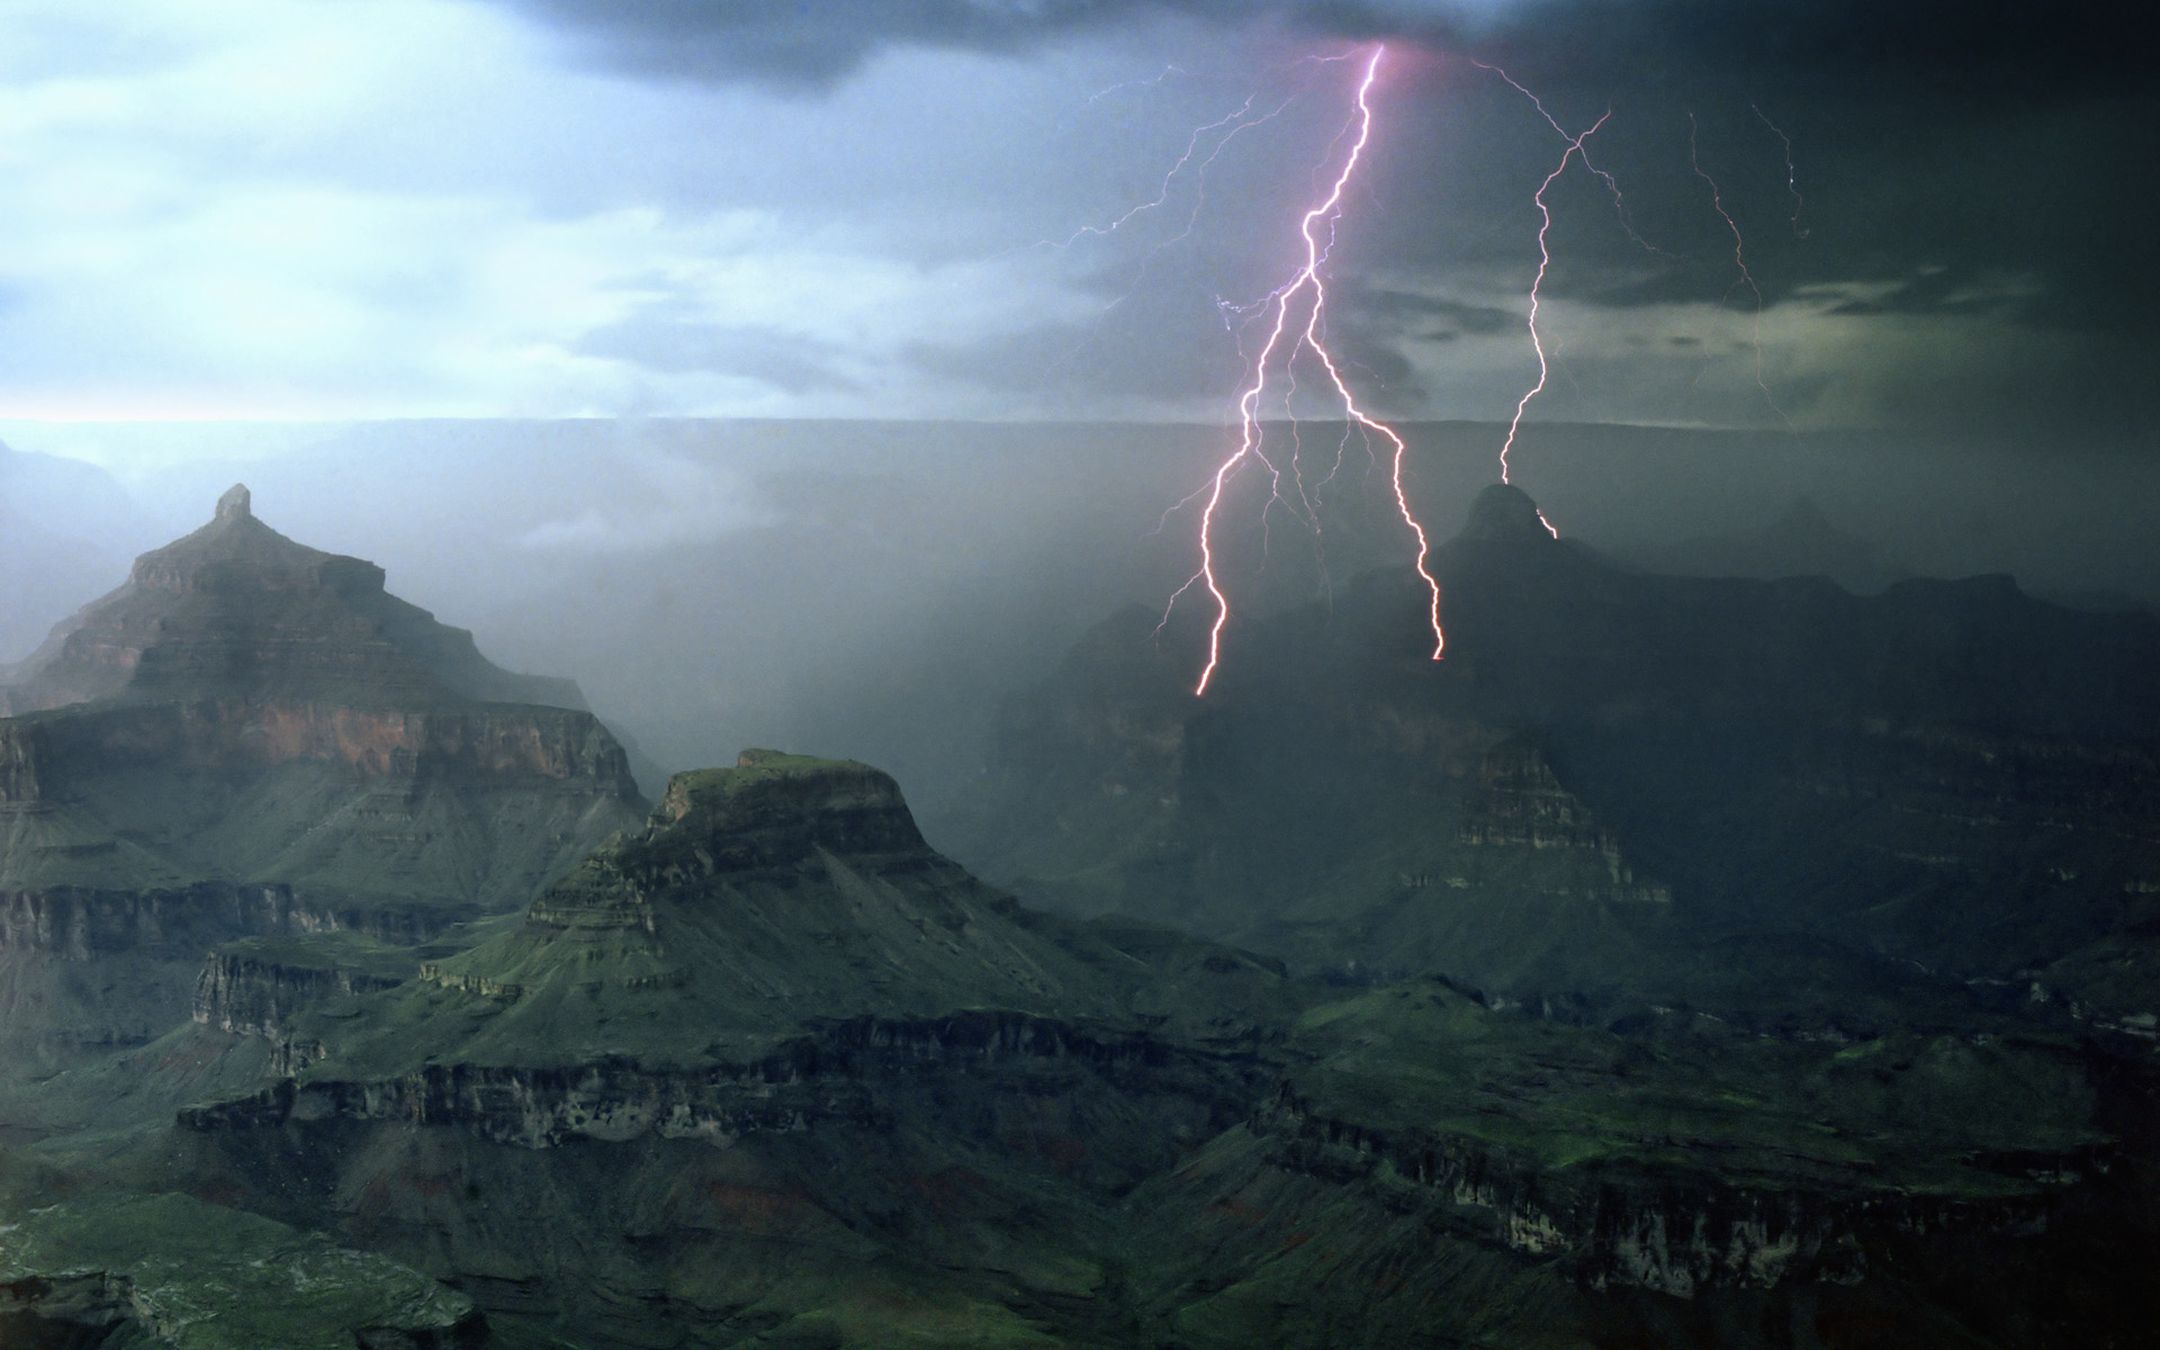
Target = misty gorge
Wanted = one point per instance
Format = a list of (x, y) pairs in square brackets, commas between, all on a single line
[(1449, 673)]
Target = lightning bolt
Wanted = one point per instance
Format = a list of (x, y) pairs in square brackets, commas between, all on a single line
[(1236, 121), (1747, 278), (1537, 283), (1310, 337), (1792, 177), (1577, 148), (1155, 83), (1612, 184)]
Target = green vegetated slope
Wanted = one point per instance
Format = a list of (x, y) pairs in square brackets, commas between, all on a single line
[(1908, 1113), (171, 1271), (771, 1072), (760, 900)]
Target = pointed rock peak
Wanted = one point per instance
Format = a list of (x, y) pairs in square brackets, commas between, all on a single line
[(1505, 512), (236, 610)]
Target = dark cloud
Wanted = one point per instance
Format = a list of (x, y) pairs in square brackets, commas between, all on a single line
[(676, 344), (1082, 363), (1939, 290), (812, 44), (1402, 310), (1973, 161), (2004, 48)]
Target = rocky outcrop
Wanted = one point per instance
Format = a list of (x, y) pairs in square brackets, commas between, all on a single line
[(252, 995), (819, 1078), (89, 968), (1518, 803), (777, 809), (82, 924), (66, 1309), (1678, 1232), (58, 757)]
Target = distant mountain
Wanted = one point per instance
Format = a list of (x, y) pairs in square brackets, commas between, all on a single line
[(1773, 799), (1800, 543), (62, 530)]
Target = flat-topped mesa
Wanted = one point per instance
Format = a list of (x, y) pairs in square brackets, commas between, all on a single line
[(768, 816), (236, 610), (774, 808)]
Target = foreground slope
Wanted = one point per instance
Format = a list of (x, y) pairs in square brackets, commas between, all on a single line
[(784, 897), (773, 1072), (770, 1062)]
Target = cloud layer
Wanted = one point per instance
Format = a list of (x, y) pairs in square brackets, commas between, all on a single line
[(565, 207)]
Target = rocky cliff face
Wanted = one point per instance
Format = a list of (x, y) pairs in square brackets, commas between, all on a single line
[(462, 805), (250, 994), (89, 968), (81, 924), (56, 759), (1675, 1234), (815, 1081), (1519, 804)]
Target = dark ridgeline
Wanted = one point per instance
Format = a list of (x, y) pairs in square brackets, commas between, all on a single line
[(1622, 789)]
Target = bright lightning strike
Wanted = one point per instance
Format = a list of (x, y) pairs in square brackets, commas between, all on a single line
[(1537, 283), (1578, 147), (1311, 337)]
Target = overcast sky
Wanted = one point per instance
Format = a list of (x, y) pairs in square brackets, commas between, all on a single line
[(301, 210)]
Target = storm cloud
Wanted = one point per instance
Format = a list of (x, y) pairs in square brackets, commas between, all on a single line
[(263, 208)]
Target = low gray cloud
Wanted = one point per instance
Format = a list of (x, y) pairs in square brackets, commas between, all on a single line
[(660, 340), (1403, 310)]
